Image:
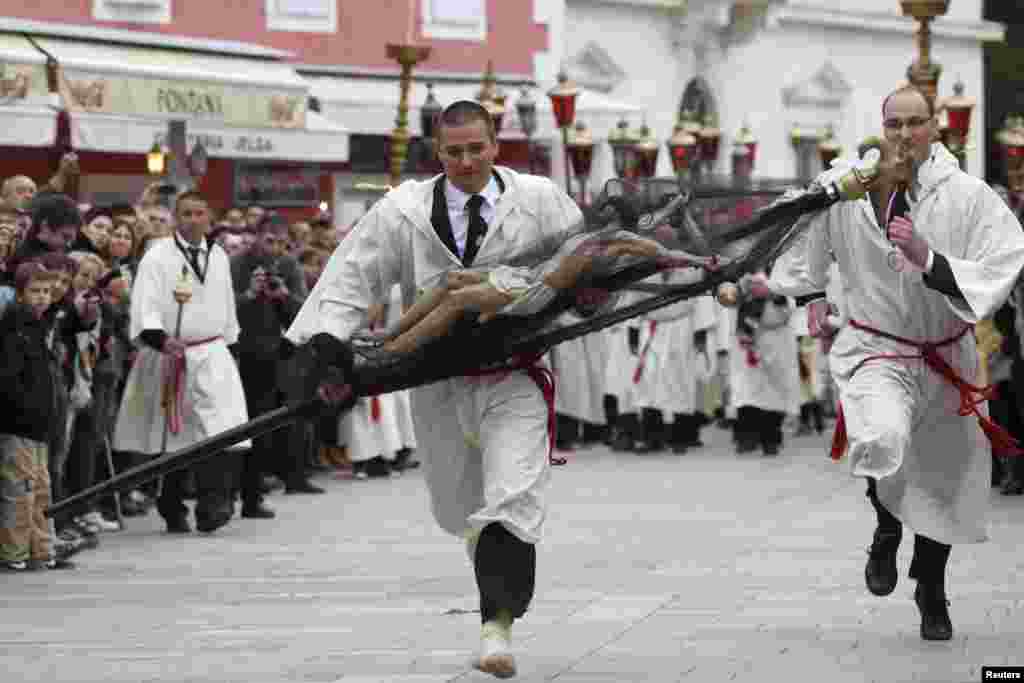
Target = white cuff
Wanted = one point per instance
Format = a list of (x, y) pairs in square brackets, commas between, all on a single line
[(928, 264)]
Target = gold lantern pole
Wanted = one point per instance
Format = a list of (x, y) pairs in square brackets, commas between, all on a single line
[(923, 73), (407, 55)]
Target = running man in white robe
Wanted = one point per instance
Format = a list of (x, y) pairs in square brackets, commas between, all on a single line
[(484, 440), (916, 280), (195, 366)]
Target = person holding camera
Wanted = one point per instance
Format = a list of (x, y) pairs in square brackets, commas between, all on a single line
[(283, 278), (264, 310)]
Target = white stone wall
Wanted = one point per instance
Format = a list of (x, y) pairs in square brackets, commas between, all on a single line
[(640, 40), (750, 79), (866, 42)]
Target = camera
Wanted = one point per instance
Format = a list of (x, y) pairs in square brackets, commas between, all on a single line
[(274, 282)]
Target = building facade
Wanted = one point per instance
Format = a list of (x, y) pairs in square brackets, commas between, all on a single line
[(789, 71)]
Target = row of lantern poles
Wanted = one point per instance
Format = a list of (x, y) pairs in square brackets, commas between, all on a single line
[(693, 146)]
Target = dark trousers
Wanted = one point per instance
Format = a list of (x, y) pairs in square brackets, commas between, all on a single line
[(755, 426), (930, 557), (1007, 410), (506, 570), (259, 381), (567, 431), (296, 444), (214, 482), (811, 412)]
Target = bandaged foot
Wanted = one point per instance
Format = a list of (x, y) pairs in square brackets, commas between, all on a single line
[(495, 649)]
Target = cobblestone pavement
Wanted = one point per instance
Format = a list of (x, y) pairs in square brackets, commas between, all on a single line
[(702, 567)]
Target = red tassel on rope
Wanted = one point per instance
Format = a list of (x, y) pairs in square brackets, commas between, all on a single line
[(375, 408), (839, 436)]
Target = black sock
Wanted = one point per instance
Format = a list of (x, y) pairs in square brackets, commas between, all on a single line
[(506, 569), (930, 559), (886, 520)]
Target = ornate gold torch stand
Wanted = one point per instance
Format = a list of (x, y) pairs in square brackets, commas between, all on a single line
[(407, 56), (924, 73)]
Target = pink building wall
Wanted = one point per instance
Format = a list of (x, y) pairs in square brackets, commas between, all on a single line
[(363, 30)]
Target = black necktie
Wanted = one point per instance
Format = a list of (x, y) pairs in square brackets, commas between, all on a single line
[(193, 257), (477, 229)]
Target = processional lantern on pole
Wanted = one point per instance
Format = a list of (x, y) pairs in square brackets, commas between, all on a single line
[(622, 143), (646, 150), (683, 149), (744, 154), (709, 139), (1011, 139), (430, 110), (526, 108), (958, 110), (563, 105), (581, 153)]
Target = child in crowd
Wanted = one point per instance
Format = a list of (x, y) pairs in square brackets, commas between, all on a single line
[(86, 413), (312, 262), (27, 410)]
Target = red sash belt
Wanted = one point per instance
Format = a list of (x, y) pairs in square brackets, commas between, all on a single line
[(544, 380), (1003, 443), (174, 385), (639, 372)]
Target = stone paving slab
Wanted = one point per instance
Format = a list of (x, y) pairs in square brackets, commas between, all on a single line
[(703, 567)]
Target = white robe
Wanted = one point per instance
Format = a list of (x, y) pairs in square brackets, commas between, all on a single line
[(214, 400), (774, 384), (392, 429), (484, 440), (579, 367), (933, 466)]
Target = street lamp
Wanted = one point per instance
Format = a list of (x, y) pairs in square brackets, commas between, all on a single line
[(581, 152), (526, 108), (958, 113), (563, 104), (156, 160), (646, 149), (682, 149), (621, 141), (744, 153)]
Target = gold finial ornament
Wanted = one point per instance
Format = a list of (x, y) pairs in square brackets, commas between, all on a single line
[(183, 287)]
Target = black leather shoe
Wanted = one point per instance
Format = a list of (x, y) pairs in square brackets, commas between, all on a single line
[(932, 603), (304, 486), (881, 573), (178, 525), (257, 511), (209, 519)]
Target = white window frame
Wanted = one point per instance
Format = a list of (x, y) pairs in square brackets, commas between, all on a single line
[(440, 28), (277, 20), (136, 11)]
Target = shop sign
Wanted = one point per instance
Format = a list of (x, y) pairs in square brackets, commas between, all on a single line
[(222, 144), (195, 101)]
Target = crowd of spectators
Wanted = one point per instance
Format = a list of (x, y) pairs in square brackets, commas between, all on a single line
[(67, 271)]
